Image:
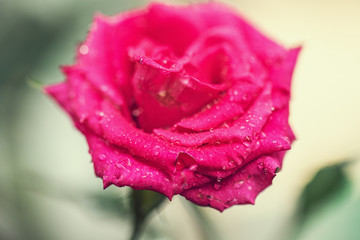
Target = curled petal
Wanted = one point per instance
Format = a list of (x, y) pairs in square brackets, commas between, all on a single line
[(242, 187)]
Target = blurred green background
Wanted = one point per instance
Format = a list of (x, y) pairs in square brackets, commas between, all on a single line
[(47, 185)]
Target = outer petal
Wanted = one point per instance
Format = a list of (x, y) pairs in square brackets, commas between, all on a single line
[(240, 188), (280, 74), (116, 166)]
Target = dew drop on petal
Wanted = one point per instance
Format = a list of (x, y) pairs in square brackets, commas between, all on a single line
[(102, 157), (238, 184), (137, 112), (210, 198), (82, 118), (247, 141), (119, 165), (162, 93), (217, 186), (84, 49), (260, 166), (184, 81)]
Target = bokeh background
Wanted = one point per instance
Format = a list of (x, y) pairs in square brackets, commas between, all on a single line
[(48, 189)]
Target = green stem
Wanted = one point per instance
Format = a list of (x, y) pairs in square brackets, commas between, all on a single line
[(143, 202)]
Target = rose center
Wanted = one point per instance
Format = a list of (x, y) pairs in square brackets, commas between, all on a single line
[(167, 89)]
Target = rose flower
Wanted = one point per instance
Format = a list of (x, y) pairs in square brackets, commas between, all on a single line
[(188, 100)]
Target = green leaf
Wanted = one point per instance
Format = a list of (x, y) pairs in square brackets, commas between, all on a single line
[(329, 183), (325, 192)]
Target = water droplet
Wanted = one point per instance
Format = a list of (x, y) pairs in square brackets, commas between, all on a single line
[(232, 163), (119, 165), (217, 186), (226, 125), (82, 118), (101, 114), (84, 49), (179, 165), (275, 141), (210, 197), (193, 167), (238, 184), (102, 157), (162, 93), (137, 112), (184, 81), (260, 166), (272, 109), (141, 60), (247, 141), (286, 139), (165, 61)]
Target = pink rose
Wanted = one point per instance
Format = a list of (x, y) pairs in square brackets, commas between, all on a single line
[(187, 100)]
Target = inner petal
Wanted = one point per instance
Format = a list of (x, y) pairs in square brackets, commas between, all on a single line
[(164, 90)]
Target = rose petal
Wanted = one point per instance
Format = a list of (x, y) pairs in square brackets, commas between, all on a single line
[(174, 26), (281, 74), (116, 166), (96, 57), (245, 128), (240, 188)]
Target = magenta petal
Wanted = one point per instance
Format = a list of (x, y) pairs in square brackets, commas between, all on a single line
[(244, 129), (212, 116), (120, 132), (116, 166), (240, 188), (176, 27), (281, 74), (59, 92)]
